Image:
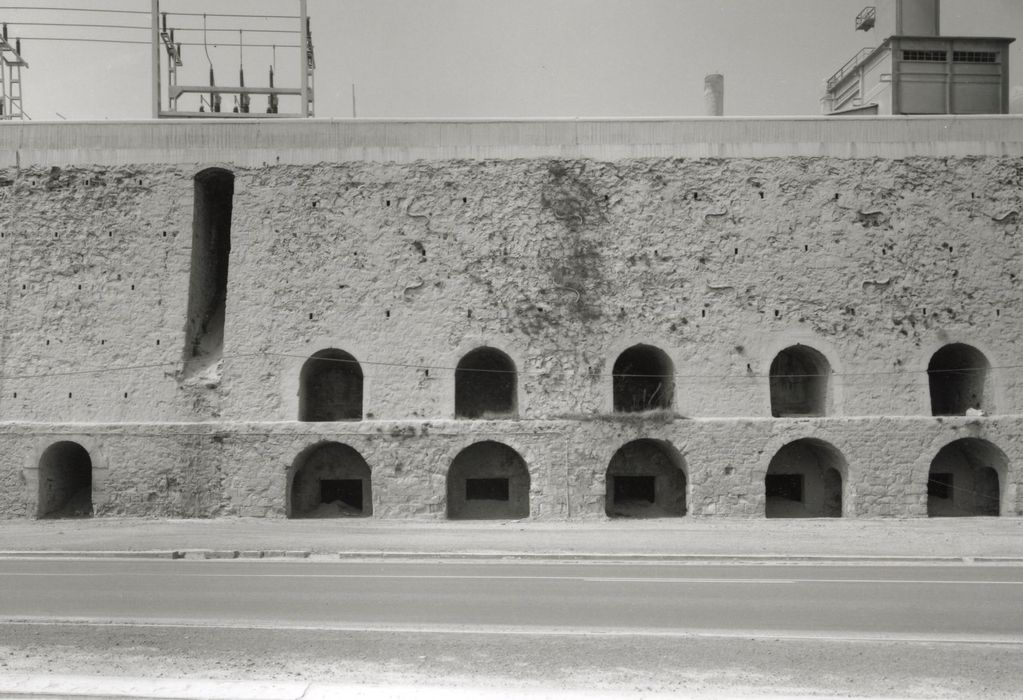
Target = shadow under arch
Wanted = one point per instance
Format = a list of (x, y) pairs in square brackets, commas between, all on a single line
[(643, 379), (800, 382), (329, 480), (805, 479), (65, 481), (645, 478), (957, 376), (485, 385), (330, 387), (965, 479), (488, 481)]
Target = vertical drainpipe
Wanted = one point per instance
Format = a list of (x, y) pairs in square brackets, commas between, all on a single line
[(714, 95)]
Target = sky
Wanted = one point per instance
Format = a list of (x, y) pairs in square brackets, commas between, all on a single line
[(480, 59)]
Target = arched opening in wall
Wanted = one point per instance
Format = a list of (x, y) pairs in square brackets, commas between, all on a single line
[(957, 375), (330, 387), (799, 382), (65, 482), (488, 481), (207, 287), (485, 385), (965, 479), (645, 479), (643, 379), (330, 480), (804, 480)]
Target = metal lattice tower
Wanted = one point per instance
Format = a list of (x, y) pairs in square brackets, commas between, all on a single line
[(167, 51), (11, 63)]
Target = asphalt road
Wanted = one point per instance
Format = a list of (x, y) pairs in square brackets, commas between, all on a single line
[(938, 603), (626, 628)]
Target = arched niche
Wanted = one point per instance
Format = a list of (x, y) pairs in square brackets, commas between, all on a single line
[(645, 479), (65, 481), (965, 479), (800, 378), (643, 379), (958, 375), (805, 480), (485, 385), (330, 480), (330, 387), (488, 481)]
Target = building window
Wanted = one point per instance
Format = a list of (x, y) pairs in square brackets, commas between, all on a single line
[(485, 385), (975, 57), (939, 485), (931, 56)]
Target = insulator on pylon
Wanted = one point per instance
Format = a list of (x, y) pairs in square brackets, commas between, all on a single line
[(271, 100)]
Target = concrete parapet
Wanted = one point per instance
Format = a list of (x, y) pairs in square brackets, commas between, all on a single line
[(256, 143)]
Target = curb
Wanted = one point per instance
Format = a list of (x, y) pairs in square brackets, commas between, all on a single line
[(304, 554)]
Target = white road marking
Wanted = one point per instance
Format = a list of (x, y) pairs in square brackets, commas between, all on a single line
[(121, 575), (521, 630)]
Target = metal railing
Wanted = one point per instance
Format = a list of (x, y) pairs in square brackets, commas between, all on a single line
[(866, 19), (849, 66)]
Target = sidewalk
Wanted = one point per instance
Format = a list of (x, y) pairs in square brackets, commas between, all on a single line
[(40, 687), (926, 539)]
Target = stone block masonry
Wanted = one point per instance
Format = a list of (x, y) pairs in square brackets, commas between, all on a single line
[(514, 319)]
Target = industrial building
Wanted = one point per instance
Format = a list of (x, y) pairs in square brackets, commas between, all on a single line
[(917, 70)]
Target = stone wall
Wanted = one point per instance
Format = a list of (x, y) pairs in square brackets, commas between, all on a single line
[(560, 263), (244, 469)]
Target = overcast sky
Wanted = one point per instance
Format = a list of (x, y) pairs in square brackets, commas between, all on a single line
[(485, 58)]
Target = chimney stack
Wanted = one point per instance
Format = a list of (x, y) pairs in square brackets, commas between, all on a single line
[(714, 95)]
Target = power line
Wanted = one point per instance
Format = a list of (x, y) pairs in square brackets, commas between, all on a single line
[(124, 26), (213, 14), (72, 24), (73, 9), (147, 43), (98, 41), (400, 365), (143, 12)]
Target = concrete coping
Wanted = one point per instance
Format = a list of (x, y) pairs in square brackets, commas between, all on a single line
[(261, 143)]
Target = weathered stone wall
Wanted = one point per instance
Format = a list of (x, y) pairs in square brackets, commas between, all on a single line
[(244, 469), (561, 263)]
